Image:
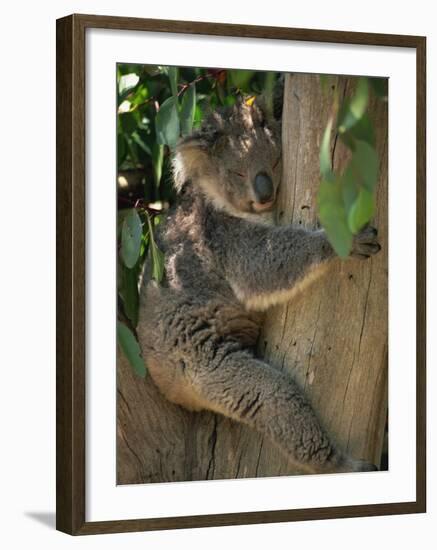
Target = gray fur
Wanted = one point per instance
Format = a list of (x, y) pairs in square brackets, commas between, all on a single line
[(225, 262)]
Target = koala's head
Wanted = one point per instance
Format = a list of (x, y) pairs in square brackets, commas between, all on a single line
[(234, 159)]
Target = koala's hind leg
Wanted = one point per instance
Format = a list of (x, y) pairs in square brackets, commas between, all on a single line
[(249, 390)]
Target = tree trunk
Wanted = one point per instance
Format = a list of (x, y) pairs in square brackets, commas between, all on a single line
[(332, 338)]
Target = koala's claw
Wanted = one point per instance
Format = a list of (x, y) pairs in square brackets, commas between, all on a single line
[(365, 243)]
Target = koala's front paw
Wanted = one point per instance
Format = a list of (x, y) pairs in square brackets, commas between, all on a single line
[(365, 243)]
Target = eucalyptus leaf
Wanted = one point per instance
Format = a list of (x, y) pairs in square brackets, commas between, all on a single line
[(188, 109), (131, 349), (157, 161), (325, 152), (156, 255), (157, 261), (349, 188), (380, 86), (356, 107), (332, 215), (361, 211), (128, 291), (167, 123), (240, 78), (127, 82), (131, 232), (172, 73), (363, 130), (137, 139), (364, 165)]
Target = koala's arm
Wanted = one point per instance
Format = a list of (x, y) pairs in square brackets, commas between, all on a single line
[(251, 391), (268, 265)]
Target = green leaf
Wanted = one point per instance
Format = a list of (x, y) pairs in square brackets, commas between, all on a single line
[(167, 123), (131, 232), (188, 108), (240, 78), (325, 153), (121, 149), (363, 130), (364, 165), (332, 215), (128, 291), (157, 261), (198, 116), (128, 122), (380, 86), (140, 95), (131, 349), (349, 188), (359, 102), (172, 73), (361, 211), (127, 82), (156, 255), (137, 139), (157, 161), (357, 106), (269, 89)]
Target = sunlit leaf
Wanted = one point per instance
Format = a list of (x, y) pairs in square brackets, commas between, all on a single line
[(140, 95), (188, 109), (131, 232), (131, 349), (361, 211), (356, 107), (325, 153), (127, 82), (124, 107), (167, 123)]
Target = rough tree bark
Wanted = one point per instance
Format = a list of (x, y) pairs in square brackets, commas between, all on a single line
[(332, 338)]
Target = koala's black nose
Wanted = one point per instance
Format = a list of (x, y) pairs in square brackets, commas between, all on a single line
[(263, 187)]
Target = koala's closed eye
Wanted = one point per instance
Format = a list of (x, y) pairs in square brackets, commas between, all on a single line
[(240, 174)]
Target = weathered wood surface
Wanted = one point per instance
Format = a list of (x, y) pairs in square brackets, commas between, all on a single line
[(333, 338)]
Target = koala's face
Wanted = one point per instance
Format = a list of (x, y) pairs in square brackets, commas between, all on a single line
[(235, 159)]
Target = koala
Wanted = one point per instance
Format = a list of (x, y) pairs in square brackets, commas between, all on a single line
[(226, 262)]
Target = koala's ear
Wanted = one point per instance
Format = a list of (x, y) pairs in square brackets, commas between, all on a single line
[(190, 159)]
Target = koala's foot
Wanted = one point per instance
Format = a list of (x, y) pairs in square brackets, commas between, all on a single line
[(365, 243)]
